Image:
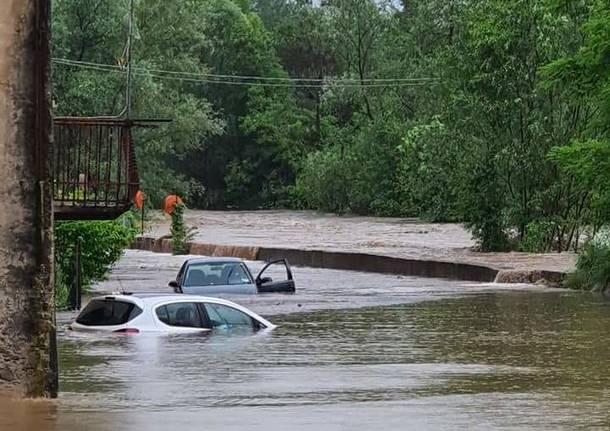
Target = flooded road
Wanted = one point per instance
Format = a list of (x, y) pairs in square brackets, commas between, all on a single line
[(317, 289), (363, 352)]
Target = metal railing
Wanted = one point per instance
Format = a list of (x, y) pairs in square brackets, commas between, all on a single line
[(94, 167)]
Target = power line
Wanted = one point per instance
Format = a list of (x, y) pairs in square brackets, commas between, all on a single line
[(281, 79), (251, 80), (94, 66), (286, 85), (243, 77)]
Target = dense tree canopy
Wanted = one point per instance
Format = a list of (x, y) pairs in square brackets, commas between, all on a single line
[(489, 112)]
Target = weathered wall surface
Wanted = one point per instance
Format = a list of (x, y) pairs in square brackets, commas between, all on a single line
[(27, 330)]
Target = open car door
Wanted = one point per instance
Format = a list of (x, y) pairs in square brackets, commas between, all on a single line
[(267, 285)]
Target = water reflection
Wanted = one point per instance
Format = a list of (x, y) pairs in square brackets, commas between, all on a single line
[(26, 415), (505, 360)]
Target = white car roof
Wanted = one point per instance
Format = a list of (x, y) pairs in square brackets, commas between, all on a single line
[(155, 298)]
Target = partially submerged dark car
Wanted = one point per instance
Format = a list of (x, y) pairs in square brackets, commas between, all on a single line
[(214, 275)]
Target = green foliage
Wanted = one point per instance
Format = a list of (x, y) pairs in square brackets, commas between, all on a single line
[(539, 236), (427, 182), (587, 161), (102, 245), (63, 285), (583, 77), (239, 183), (179, 233), (472, 148), (592, 270), (324, 179), (95, 31), (506, 133), (484, 206)]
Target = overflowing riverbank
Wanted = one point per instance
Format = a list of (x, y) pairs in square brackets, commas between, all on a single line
[(386, 245)]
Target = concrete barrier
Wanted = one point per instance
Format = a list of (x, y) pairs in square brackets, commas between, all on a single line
[(334, 260), (546, 278), (381, 264)]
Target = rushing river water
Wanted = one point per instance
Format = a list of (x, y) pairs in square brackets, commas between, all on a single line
[(479, 357)]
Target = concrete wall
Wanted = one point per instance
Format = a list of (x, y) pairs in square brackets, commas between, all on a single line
[(333, 260), (27, 329)]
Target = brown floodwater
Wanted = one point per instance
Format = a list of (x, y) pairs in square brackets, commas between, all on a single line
[(435, 355), (399, 237)]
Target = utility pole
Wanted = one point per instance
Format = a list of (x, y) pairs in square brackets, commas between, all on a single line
[(129, 57), (28, 354)]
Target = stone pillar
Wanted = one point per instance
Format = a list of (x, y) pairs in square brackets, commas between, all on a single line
[(28, 363)]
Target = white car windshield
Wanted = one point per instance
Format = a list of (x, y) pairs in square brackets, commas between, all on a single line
[(216, 274)]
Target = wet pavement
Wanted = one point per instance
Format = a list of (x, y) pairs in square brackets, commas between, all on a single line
[(397, 237), (361, 352)]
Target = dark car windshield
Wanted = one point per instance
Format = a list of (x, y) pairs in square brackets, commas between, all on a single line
[(216, 274), (108, 312)]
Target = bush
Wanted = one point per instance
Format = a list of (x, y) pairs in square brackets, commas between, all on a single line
[(324, 181), (593, 266), (180, 234), (483, 206), (427, 170), (102, 245), (592, 270), (239, 181), (538, 237), (355, 171)]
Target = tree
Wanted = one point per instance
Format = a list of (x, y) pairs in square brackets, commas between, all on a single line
[(457, 126), (166, 38), (305, 38), (490, 102), (584, 78)]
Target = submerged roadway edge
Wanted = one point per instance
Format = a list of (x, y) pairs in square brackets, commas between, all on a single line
[(362, 262)]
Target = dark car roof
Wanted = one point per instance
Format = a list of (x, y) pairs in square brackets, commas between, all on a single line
[(214, 260)]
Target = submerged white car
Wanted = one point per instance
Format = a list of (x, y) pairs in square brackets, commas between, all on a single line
[(165, 313)]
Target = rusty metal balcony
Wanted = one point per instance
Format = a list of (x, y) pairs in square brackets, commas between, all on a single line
[(95, 174)]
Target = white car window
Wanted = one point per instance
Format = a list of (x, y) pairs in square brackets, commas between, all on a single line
[(221, 315), (108, 312), (215, 274), (238, 275), (181, 314)]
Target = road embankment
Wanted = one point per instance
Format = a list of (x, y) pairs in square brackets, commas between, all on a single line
[(373, 244), (366, 262)]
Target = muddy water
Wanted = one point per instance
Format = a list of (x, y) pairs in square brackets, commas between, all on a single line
[(447, 356), (317, 289), (399, 237)]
